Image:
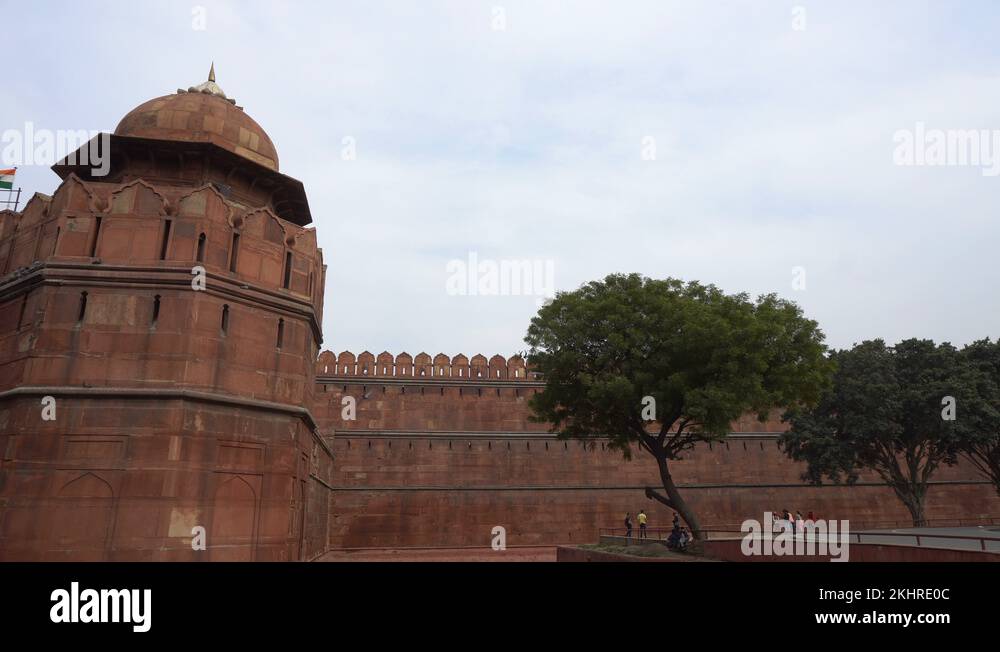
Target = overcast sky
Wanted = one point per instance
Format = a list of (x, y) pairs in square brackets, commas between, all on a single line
[(517, 130)]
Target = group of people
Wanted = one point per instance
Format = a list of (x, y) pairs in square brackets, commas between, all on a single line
[(642, 518), (679, 537), (799, 523)]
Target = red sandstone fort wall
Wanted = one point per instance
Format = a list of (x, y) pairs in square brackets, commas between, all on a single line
[(441, 491), (440, 461), (104, 482)]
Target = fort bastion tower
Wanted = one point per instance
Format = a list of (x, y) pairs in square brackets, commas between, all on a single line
[(158, 332)]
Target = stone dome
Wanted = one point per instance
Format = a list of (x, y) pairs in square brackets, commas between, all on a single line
[(201, 114)]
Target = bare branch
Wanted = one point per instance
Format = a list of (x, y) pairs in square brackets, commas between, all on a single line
[(651, 493)]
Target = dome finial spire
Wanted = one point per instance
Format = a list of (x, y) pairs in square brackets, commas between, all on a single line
[(209, 87)]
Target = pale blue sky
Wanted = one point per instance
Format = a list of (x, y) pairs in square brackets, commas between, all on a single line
[(774, 145)]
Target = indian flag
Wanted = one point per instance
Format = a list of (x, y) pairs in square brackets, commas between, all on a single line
[(7, 178)]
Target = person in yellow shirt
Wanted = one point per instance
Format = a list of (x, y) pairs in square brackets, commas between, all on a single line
[(642, 524)]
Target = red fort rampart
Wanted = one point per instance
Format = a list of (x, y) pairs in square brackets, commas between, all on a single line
[(442, 450)]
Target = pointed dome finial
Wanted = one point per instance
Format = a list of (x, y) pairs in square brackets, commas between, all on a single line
[(209, 87)]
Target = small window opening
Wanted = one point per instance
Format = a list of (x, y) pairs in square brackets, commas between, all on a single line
[(166, 239), (20, 317), (234, 252), (288, 270), (83, 308), (97, 235)]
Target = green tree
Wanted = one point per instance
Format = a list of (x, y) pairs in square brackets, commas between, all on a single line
[(979, 422), (704, 357), (890, 410)]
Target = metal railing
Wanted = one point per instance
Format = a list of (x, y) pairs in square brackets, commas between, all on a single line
[(9, 203), (857, 525), (931, 522), (919, 539), (652, 533), (924, 539)]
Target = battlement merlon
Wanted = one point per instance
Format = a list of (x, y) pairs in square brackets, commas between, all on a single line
[(423, 367)]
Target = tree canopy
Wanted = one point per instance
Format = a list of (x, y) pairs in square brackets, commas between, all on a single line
[(702, 357), (891, 410), (979, 422)]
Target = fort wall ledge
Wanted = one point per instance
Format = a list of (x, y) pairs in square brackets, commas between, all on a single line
[(159, 277), (168, 394)]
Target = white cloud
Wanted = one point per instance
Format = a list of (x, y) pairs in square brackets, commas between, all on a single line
[(774, 147)]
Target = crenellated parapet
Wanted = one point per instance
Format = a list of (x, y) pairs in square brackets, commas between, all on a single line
[(423, 366)]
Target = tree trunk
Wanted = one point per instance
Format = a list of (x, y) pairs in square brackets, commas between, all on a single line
[(913, 498), (673, 499)]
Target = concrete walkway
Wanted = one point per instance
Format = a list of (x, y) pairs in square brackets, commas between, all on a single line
[(928, 540), (547, 553)]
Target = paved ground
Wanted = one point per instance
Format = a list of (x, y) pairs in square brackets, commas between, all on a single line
[(443, 554), (928, 540)]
